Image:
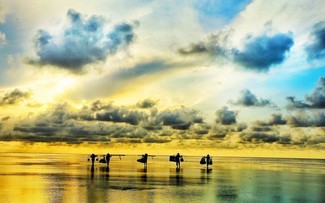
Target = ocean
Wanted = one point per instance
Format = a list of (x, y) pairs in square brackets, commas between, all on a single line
[(41, 178)]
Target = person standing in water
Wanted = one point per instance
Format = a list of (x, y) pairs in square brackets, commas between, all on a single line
[(178, 160), (108, 159), (209, 161), (93, 157)]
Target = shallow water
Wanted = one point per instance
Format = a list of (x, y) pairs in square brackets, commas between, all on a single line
[(26, 177)]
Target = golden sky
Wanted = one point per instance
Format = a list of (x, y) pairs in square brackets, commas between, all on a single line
[(186, 75)]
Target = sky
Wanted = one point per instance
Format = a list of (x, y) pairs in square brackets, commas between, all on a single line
[(143, 74)]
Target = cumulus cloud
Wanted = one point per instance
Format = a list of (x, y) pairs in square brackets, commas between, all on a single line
[(221, 131), (307, 119), (315, 100), (155, 139), (225, 116), (214, 45), (180, 119), (317, 97), (121, 115), (105, 122), (259, 137), (293, 103), (82, 41), (14, 97), (262, 52), (258, 54), (247, 98), (316, 48), (277, 119), (147, 103)]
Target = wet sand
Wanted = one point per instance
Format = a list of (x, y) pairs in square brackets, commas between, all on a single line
[(26, 177)]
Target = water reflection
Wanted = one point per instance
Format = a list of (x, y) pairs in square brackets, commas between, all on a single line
[(143, 174), (205, 175), (67, 179), (226, 188), (176, 176)]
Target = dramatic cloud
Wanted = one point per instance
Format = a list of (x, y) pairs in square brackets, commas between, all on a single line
[(276, 119), (315, 100), (106, 122), (307, 119), (247, 98), (262, 52), (180, 119), (215, 45), (121, 115), (220, 131), (293, 103), (14, 97), (258, 53), (317, 97), (147, 103), (316, 49), (260, 137), (225, 116), (82, 41)]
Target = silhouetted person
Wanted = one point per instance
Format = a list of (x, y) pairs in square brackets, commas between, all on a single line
[(178, 160), (145, 157), (108, 159), (93, 157), (144, 160), (209, 161)]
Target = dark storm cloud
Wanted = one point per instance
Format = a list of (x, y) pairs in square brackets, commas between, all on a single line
[(225, 116), (247, 98), (315, 100), (262, 52), (82, 41), (14, 97), (316, 48)]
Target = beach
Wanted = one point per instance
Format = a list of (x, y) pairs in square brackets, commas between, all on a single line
[(34, 177)]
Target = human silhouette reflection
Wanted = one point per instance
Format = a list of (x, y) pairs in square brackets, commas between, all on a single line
[(143, 175), (176, 178), (92, 170)]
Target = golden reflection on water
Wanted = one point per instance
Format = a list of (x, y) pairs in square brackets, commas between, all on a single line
[(69, 178)]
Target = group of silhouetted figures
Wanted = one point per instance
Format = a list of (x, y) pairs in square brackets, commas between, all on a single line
[(205, 160)]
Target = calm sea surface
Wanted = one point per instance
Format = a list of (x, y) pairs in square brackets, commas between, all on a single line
[(26, 177)]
